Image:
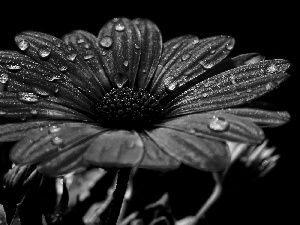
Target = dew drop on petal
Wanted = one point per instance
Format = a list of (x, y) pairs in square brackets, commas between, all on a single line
[(125, 63), (57, 141), (80, 41), (272, 68), (87, 57), (144, 71), (28, 97), (71, 57), (3, 78), (218, 124), (120, 80), (106, 42), (270, 85), (40, 92), (204, 95), (136, 46), (13, 68), (206, 65), (63, 68), (23, 45), (44, 52), (249, 90), (229, 45), (185, 57), (33, 112), (2, 113), (120, 27), (170, 86), (54, 129), (87, 46), (212, 51)]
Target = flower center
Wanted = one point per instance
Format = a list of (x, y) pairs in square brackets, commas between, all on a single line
[(128, 109)]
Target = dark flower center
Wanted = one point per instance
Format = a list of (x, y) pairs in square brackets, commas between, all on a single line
[(128, 109)]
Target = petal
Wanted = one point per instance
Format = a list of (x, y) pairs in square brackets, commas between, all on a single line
[(155, 158), (43, 144), (119, 148), (262, 117), (231, 88), (217, 125), (16, 131), (151, 48), (120, 56), (33, 77), (57, 56), (183, 61), (195, 151), (86, 45), (25, 105)]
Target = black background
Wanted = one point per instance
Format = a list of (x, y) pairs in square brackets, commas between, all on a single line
[(271, 30)]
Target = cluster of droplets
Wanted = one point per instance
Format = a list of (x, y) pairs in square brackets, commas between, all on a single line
[(128, 109)]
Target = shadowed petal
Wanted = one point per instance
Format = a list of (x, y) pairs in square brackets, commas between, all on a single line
[(116, 148), (120, 56), (86, 45), (217, 125), (198, 152), (16, 131), (45, 143), (26, 105), (231, 88), (187, 59), (151, 47), (32, 77), (262, 117), (155, 158), (57, 56)]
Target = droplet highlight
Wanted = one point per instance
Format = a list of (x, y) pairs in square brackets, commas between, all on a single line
[(3, 78), (120, 80), (80, 41), (71, 57), (230, 44), (106, 42), (218, 124), (63, 68), (87, 57), (23, 45), (120, 27), (28, 97), (272, 69), (57, 141), (185, 57), (54, 129), (44, 52), (13, 68), (40, 92)]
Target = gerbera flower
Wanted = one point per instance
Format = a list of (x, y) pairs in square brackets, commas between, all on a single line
[(125, 99)]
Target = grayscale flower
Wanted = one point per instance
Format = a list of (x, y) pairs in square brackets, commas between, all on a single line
[(125, 99)]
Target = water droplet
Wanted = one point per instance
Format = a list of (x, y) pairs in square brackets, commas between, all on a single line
[(204, 95), (87, 45), (56, 91), (52, 78), (137, 46), (120, 80), (230, 44), (80, 41), (106, 42), (170, 86), (3, 78), (272, 68), (13, 67), (232, 78), (125, 63), (196, 41), (63, 68), (40, 92), (33, 112), (270, 85), (218, 124), (144, 71), (28, 97), (57, 141), (54, 129), (185, 57), (23, 45), (71, 57), (2, 113), (44, 52), (237, 93), (119, 27), (206, 65), (212, 51), (249, 90), (87, 57)]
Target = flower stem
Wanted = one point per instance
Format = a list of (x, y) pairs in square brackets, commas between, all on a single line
[(118, 195), (212, 199)]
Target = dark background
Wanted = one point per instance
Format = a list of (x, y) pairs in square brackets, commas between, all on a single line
[(271, 30)]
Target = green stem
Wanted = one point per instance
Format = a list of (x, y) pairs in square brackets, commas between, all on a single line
[(118, 195)]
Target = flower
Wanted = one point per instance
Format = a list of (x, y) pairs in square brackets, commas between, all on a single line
[(125, 99)]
